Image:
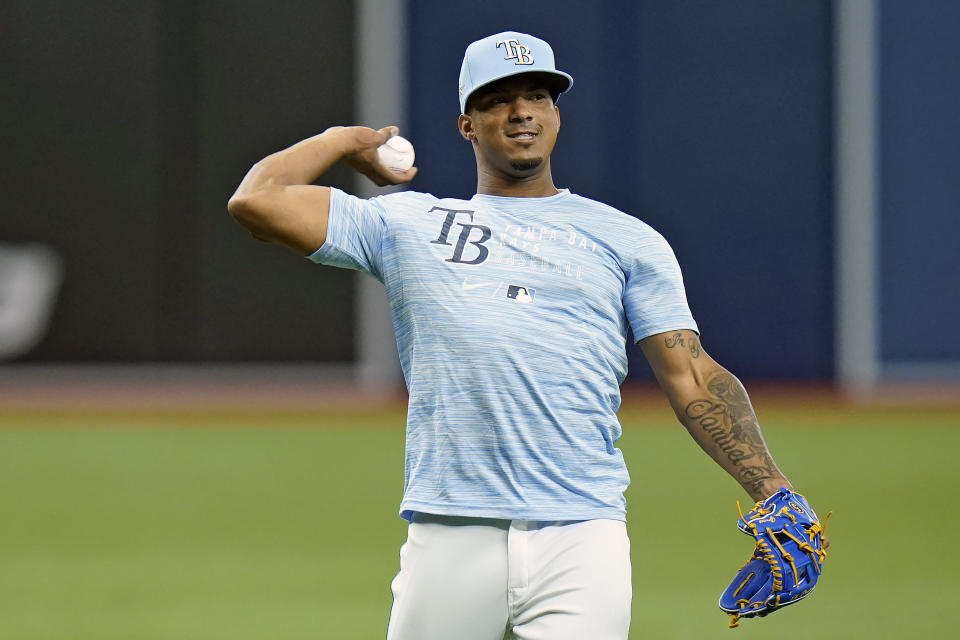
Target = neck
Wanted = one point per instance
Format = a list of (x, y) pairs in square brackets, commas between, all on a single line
[(537, 185)]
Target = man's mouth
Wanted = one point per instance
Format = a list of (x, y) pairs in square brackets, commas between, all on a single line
[(523, 135)]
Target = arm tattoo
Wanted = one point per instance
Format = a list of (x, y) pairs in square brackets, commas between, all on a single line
[(726, 426), (673, 340), (676, 339)]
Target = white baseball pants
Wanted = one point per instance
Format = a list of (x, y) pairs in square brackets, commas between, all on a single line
[(482, 579)]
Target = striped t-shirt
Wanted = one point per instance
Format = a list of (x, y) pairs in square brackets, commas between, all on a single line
[(511, 319)]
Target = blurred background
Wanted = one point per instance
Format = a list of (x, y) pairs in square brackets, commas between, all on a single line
[(801, 158), (814, 158)]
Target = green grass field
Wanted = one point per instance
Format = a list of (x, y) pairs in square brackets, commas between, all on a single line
[(283, 525)]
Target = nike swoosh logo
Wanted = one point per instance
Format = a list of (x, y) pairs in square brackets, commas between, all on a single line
[(476, 285)]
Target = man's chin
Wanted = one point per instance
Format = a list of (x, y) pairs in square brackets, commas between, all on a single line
[(526, 165)]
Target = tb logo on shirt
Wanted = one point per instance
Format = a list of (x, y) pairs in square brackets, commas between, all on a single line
[(463, 239)]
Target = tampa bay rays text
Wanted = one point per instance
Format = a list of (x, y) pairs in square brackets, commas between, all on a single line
[(518, 247)]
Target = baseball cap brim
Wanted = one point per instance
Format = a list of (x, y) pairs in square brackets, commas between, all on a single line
[(560, 82)]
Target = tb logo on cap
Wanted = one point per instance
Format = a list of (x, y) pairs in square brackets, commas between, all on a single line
[(516, 51)]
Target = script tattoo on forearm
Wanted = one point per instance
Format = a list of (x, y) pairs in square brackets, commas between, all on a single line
[(728, 420), (676, 339)]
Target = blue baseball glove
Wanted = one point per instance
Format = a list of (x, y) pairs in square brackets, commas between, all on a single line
[(786, 562)]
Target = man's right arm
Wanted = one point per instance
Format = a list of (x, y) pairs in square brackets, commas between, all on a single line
[(276, 201)]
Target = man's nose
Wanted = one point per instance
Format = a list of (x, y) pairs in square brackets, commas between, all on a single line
[(520, 110)]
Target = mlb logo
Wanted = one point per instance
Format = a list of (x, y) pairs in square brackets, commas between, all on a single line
[(523, 295)]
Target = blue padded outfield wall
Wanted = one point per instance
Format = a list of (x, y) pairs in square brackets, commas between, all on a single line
[(919, 231), (710, 121)]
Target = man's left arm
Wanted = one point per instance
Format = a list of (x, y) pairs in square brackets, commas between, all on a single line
[(714, 407)]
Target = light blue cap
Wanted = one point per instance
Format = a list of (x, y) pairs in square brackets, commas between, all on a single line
[(506, 54)]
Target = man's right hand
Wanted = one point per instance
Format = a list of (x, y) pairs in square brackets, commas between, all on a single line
[(360, 152)]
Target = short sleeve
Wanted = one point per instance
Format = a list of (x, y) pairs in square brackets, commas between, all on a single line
[(654, 298), (355, 232)]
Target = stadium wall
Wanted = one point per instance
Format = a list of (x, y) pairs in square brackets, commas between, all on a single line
[(919, 225), (711, 121), (132, 123)]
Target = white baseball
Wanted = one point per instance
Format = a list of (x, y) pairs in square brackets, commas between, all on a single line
[(396, 154)]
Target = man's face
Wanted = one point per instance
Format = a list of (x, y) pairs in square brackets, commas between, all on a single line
[(513, 125)]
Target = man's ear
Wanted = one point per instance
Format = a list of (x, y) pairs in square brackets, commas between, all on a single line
[(465, 125), (557, 110)]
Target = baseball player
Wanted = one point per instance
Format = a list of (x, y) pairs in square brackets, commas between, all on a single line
[(511, 312)]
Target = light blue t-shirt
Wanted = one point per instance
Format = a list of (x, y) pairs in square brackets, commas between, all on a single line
[(511, 320)]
